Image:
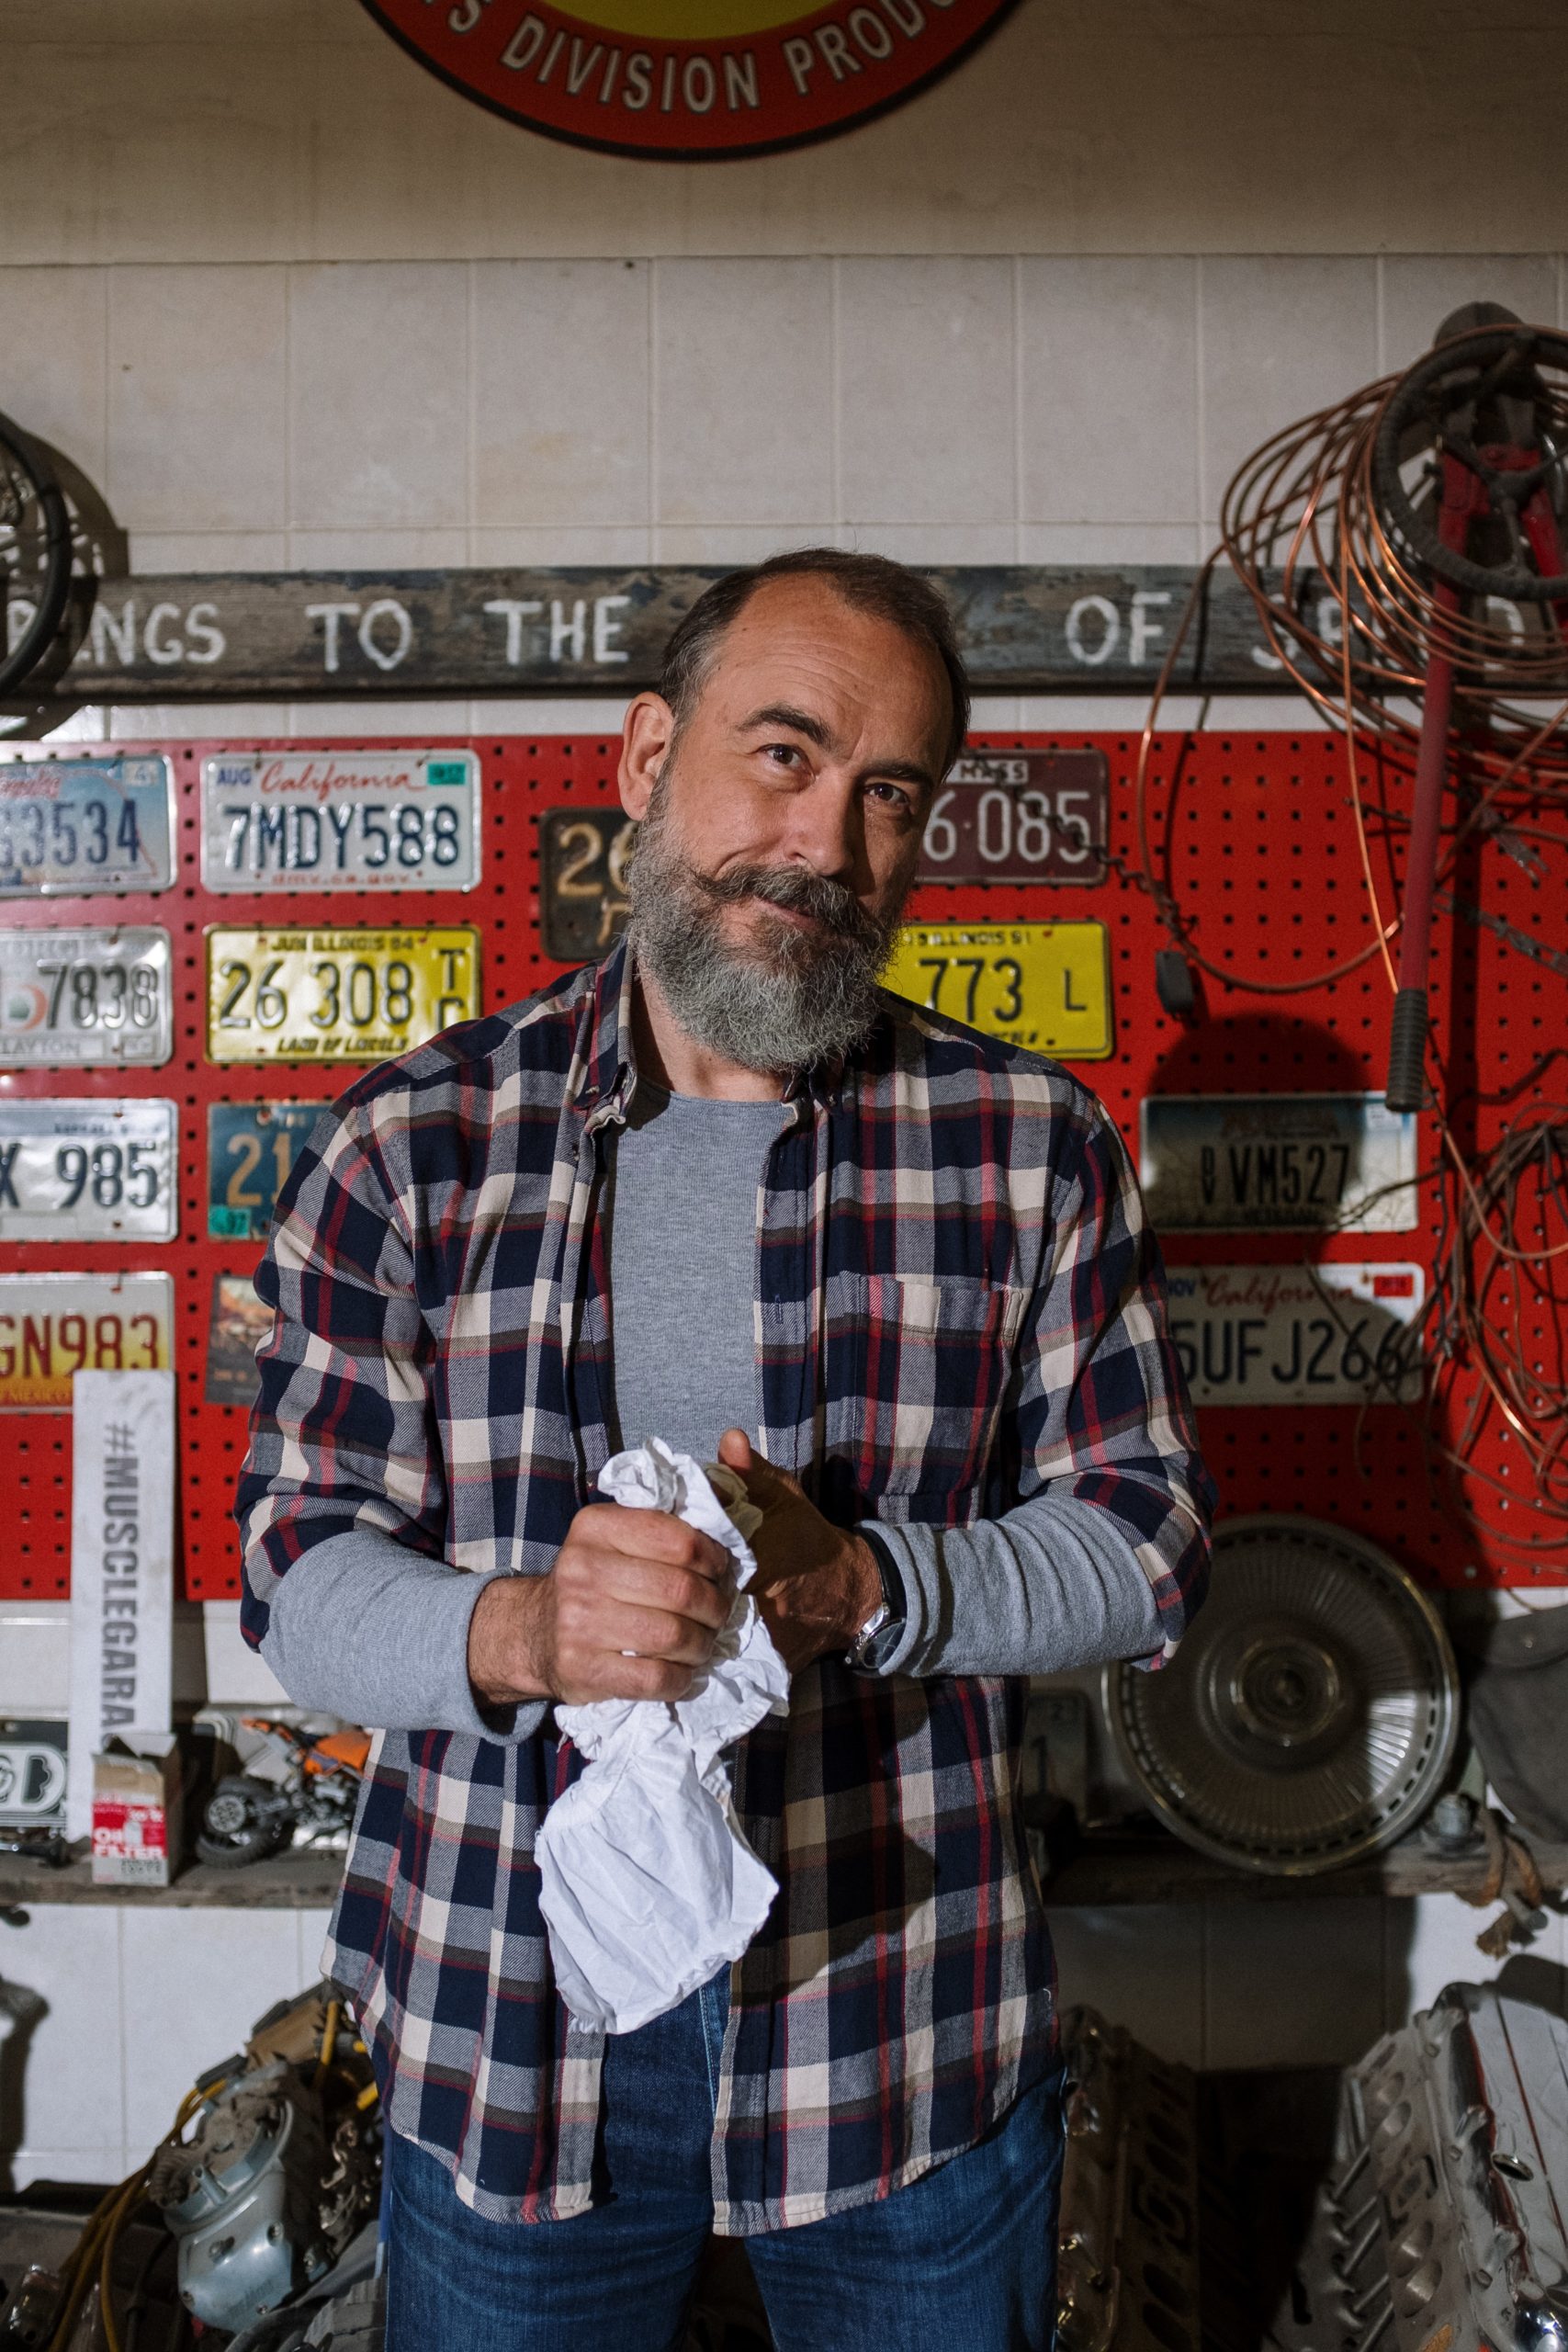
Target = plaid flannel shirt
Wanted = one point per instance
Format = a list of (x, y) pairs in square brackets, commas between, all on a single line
[(958, 1301)]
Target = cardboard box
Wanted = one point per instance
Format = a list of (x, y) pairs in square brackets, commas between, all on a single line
[(137, 1814)]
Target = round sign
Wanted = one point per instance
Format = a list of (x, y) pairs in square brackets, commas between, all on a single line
[(689, 79)]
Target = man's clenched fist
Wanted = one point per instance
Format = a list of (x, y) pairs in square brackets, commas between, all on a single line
[(625, 1581)]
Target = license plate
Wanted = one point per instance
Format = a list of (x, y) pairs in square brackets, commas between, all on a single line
[(1298, 1335), (237, 1321), (1020, 816), (85, 998), (1282, 1163), (53, 1325), (32, 1773), (340, 820), (250, 1150), (583, 855), (335, 996), (87, 1170), (1044, 985), (78, 827)]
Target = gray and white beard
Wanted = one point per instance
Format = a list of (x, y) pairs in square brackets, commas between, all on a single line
[(798, 999)]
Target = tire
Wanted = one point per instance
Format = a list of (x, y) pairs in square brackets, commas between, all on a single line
[(33, 507), (245, 1821), (1422, 402)]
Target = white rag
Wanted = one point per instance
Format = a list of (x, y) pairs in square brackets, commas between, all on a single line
[(649, 1886)]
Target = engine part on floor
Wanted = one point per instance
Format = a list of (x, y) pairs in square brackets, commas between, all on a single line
[(306, 1790), (1443, 2223), (354, 2321), (1127, 2271), (279, 2166), (29, 2312), (1311, 1713)]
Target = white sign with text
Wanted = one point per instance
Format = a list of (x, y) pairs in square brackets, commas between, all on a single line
[(122, 1567)]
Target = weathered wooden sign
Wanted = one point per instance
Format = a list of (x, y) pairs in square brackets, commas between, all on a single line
[(1024, 627)]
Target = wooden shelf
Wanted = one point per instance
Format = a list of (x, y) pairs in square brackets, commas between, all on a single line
[(289, 1881), (1107, 1872), (1110, 1872)]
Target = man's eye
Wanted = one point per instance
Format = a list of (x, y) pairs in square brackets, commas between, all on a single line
[(783, 754), (892, 796)]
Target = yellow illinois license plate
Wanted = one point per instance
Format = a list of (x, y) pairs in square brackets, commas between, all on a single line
[(335, 996), (1044, 985)]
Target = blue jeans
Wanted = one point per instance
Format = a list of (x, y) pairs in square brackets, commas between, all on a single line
[(965, 2257)]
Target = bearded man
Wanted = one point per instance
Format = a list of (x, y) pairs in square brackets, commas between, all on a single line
[(722, 1190)]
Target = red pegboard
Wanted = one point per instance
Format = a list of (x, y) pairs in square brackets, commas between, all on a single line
[(1263, 853)]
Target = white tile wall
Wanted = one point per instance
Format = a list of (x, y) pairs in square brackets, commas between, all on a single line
[(744, 392), (1279, 334), (560, 393), (196, 367), (926, 396), (378, 411), (247, 1960), (1108, 352), (946, 408), (136, 2002)]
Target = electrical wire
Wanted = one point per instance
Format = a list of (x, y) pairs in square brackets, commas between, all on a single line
[(1353, 620)]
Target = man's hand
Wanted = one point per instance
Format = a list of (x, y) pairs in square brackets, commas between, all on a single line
[(816, 1584), (623, 1580)]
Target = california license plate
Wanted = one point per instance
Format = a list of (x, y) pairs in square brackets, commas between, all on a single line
[(87, 1170), (583, 855), (1044, 985), (1020, 816), (1298, 1335), (78, 827), (250, 1150), (1284, 1163), (340, 820), (53, 1326), (335, 996), (85, 998)]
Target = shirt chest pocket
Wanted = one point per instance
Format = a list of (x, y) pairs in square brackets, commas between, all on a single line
[(934, 1360)]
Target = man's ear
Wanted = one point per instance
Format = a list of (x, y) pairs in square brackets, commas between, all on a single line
[(646, 732)]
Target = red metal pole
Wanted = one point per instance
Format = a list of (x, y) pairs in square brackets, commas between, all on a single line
[(1407, 1039)]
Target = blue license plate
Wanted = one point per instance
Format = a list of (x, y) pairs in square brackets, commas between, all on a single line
[(250, 1150), (74, 828)]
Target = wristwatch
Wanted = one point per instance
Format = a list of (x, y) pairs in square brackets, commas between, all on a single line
[(884, 1629)]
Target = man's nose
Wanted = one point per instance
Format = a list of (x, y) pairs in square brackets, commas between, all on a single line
[(825, 833)]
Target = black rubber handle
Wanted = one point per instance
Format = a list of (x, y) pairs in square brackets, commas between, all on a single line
[(1407, 1088)]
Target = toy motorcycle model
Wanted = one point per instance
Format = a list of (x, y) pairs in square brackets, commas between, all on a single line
[(299, 1787)]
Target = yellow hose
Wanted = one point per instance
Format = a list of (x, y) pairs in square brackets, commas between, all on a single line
[(329, 2039)]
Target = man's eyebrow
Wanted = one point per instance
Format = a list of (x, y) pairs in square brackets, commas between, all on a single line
[(801, 722), (783, 713)]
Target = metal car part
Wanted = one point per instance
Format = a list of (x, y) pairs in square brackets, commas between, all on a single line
[(1309, 1716), (266, 2194), (28, 2316), (238, 2198), (1127, 2260), (1443, 2223)]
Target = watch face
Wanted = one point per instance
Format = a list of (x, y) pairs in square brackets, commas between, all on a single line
[(882, 1645)]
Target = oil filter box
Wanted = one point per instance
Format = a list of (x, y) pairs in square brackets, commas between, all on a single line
[(137, 1821)]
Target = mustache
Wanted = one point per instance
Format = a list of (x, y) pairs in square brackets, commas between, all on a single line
[(798, 891)]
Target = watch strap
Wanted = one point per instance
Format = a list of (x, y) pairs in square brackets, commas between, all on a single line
[(884, 1629)]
